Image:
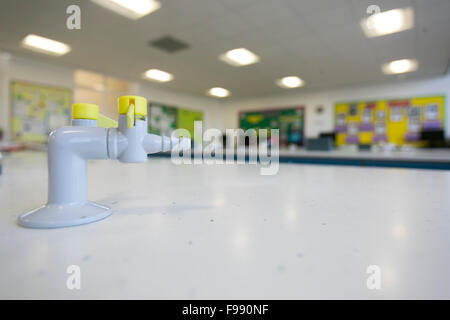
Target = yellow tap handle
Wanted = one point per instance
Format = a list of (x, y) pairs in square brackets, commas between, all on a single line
[(130, 116), (89, 111), (105, 122), (134, 107)]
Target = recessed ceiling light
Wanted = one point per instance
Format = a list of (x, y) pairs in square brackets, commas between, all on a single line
[(158, 75), (290, 82), (388, 22), (132, 9), (218, 92), (400, 66), (239, 57), (45, 45)]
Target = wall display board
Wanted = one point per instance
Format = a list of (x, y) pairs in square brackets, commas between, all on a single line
[(290, 122), (186, 119), (163, 119), (36, 110), (398, 121)]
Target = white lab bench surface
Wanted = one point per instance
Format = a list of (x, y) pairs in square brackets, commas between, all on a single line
[(226, 232)]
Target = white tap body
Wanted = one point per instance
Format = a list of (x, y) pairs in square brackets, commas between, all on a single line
[(69, 148)]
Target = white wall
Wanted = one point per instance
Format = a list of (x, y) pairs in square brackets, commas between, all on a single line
[(24, 69), (314, 123)]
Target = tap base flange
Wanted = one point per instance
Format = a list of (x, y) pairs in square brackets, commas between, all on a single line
[(63, 215)]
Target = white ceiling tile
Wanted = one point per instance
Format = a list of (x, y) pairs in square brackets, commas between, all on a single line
[(395, 46), (318, 40), (435, 11), (265, 12), (306, 7), (329, 18), (237, 4)]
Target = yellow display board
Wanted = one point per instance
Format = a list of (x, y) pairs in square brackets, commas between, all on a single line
[(36, 110), (398, 121), (186, 119)]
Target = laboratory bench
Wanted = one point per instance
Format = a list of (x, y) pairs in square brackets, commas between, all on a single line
[(414, 158), (435, 159), (227, 232)]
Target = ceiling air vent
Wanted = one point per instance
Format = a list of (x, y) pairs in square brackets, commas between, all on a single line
[(169, 44)]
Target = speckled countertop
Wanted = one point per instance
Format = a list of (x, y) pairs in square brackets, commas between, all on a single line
[(225, 231)]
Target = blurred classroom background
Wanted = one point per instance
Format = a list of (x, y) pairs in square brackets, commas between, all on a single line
[(342, 82), (350, 84)]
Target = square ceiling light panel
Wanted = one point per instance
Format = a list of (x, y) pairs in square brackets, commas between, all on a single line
[(45, 45), (387, 22), (218, 92), (132, 9), (158, 75), (400, 66), (290, 82), (239, 57)]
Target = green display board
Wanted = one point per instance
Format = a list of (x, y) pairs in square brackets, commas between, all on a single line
[(163, 119), (186, 119), (290, 122)]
